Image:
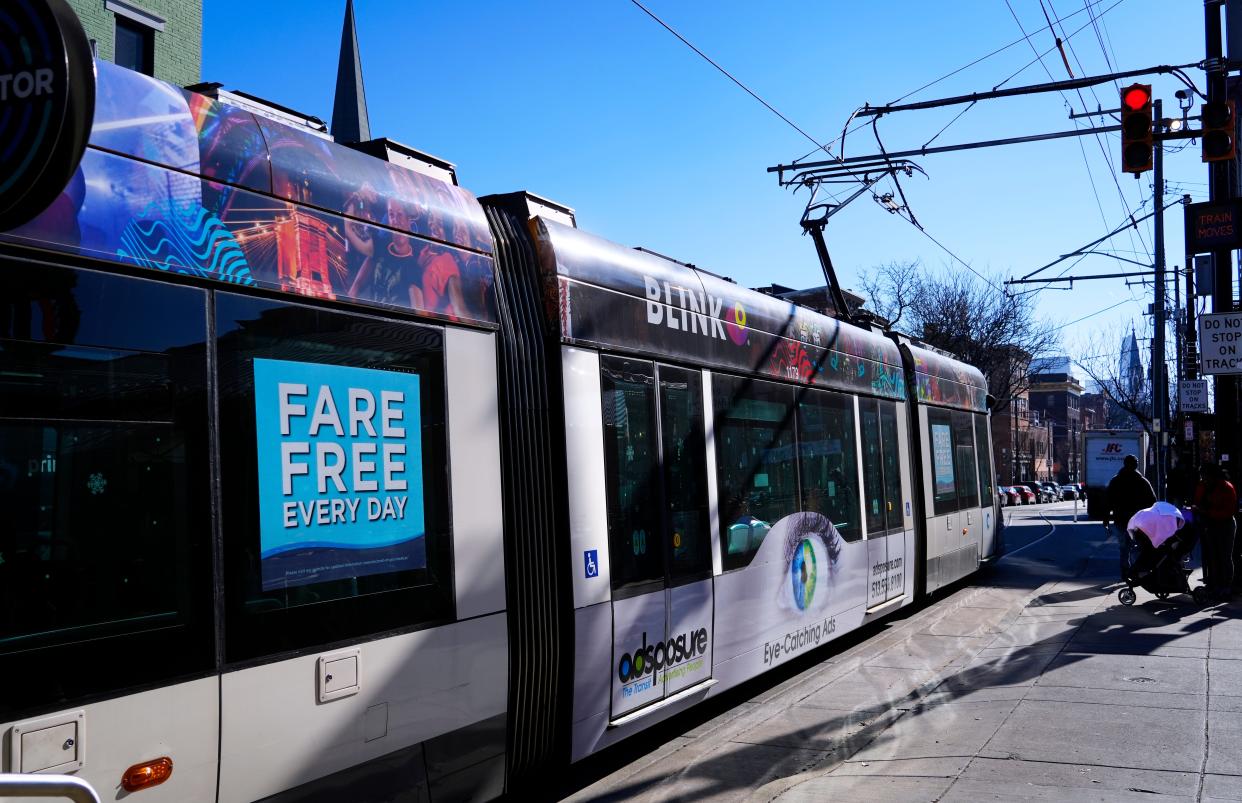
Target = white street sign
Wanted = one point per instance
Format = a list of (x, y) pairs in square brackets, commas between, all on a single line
[(1194, 395), (1220, 343)]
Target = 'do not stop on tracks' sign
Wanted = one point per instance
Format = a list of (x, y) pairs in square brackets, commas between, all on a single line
[(1220, 343)]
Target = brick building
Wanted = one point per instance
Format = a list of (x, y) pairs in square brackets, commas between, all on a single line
[(163, 38), (1056, 395)]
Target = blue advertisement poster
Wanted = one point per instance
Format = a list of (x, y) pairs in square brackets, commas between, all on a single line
[(942, 454), (340, 472)]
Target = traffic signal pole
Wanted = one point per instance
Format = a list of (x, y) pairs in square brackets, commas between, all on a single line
[(1159, 376), (1226, 387)]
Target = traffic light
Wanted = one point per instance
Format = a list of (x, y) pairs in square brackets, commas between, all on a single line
[(1219, 131), (1136, 142)]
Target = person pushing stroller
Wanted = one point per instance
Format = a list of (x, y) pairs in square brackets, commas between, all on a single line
[(1159, 539), (1128, 493)]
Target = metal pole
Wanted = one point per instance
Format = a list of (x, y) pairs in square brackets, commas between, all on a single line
[(1159, 389), (47, 786), (1222, 261)]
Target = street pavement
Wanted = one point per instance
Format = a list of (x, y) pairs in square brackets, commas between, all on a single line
[(1032, 682)]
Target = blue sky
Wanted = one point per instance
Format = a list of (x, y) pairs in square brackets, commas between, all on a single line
[(594, 105)]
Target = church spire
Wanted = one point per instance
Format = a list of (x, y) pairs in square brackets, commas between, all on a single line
[(349, 110)]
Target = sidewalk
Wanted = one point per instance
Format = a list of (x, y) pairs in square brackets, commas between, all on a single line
[(1020, 687)]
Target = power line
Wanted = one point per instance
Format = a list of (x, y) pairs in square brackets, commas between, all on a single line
[(1088, 4), (1092, 315), (818, 145)]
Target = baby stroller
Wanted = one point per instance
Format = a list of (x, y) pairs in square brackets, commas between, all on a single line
[(1159, 543)]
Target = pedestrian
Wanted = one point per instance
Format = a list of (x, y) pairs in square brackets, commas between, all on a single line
[(1128, 493), (1216, 504)]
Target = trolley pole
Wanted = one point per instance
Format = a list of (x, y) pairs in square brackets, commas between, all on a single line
[(1159, 376)]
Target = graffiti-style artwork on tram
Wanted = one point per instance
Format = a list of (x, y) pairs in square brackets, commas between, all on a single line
[(944, 381), (177, 182)]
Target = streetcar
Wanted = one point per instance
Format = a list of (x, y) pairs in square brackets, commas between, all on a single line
[(325, 479)]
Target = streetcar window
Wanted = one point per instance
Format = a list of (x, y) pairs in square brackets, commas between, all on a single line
[(873, 469), (892, 466), (105, 536), (964, 455), (828, 459), (944, 485), (984, 459), (685, 471), (631, 464), (334, 472), (756, 463)]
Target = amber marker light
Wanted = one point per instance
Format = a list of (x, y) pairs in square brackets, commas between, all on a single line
[(147, 774)]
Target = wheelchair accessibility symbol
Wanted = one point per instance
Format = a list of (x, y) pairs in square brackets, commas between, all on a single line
[(591, 560)]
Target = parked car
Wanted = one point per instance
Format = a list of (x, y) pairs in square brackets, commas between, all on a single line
[(1015, 496), (1029, 495), (1053, 491), (1002, 498), (1069, 492)]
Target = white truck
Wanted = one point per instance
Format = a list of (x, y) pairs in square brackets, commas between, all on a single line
[(1103, 452)]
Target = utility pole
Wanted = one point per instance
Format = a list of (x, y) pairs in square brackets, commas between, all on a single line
[(1222, 261), (1159, 377)]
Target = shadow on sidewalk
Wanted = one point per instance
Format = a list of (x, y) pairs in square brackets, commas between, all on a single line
[(840, 734)]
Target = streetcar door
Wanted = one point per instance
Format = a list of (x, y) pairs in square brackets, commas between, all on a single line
[(874, 508), (659, 544), (987, 494), (688, 549), (964, 456), (894, 501)]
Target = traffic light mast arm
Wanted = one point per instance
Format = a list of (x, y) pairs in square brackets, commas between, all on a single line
[(1054, 86), (965, 146)]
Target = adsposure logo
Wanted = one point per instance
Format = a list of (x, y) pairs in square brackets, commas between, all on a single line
[(652, 659)]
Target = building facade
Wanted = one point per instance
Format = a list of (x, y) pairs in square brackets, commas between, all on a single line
[(1056, 396), (163, 38), (1021, 443)]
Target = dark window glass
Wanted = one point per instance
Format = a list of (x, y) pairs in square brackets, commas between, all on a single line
[(828, 459), (135, 46), (984, 460), (940, 447), (353, 597), (105, 563), (892, 466), (964, 455), (685, 471), (873, 470), (756, 465), (635, 547)]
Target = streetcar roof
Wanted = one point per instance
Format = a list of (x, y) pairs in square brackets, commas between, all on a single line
[(620, 298)]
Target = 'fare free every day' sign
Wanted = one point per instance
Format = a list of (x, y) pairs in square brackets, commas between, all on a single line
[(340, 472)]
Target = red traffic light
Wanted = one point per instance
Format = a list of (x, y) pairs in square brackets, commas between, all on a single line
[(1136, 129), (1136, 97)]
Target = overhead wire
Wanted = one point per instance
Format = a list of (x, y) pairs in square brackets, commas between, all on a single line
[(1082, 149), (1089, 4)]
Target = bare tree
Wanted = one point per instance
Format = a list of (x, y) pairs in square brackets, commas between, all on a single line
[(1121, 378), (982, 325), (891, 289)]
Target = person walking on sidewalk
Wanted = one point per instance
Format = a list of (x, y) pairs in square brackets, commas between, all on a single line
[(1128, 493), (1216, 504)]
